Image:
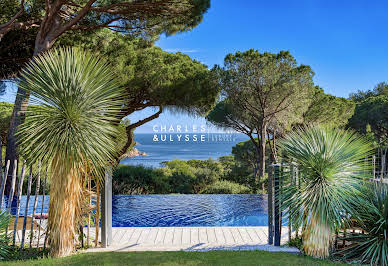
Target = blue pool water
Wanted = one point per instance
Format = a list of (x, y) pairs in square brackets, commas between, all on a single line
[(179, 210), (189, 210)]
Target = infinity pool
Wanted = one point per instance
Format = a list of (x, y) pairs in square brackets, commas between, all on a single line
[(189, 210), (178, 210)]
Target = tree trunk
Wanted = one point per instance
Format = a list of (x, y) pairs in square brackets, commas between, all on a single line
[(317, 238), (263, 134), (19, 112), (17, 119), (256, 167), (64, 209)]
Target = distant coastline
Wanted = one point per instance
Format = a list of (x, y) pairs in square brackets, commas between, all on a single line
[(214, 146)]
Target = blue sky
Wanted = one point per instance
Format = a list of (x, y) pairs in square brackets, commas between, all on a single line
[(343, 41)]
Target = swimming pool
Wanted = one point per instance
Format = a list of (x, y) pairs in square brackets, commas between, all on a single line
[(179, 210), (189, 210)]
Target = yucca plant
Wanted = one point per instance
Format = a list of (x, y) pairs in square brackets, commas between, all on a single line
[(4, 247), (370, 241), (331, 163), (72, 129)]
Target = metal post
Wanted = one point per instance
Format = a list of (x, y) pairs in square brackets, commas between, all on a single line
[(277, 204), (106, 211), (270, 206)]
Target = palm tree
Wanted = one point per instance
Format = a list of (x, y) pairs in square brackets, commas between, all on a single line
[(331, 163), (72, 129)]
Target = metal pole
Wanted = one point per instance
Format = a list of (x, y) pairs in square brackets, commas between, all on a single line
[(106, 211), (277, 204), (270, 206)]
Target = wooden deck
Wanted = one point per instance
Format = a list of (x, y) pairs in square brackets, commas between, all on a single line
[(192, 239)]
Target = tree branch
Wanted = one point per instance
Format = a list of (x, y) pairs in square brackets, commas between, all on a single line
[(129, 129), (6, 27)]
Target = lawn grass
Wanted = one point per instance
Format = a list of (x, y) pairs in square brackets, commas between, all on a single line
[(179, 258)]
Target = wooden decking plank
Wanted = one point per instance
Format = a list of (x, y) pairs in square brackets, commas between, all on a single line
[(203, 235), (244, 235), (160, 236), (144, 236), (135, 236), (119, 234), (177, 240), (253, 235), (169, 236), (219, 235), (194, 236), (125, 236), (236, 235), (229, 239), (263, 237), (211, 235), (186, 236), (151, 236)]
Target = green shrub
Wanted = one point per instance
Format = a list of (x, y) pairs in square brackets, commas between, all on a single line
[(372, 218), (129, 180), (4, 248), (188, 177), (225, 187), (296, 242)]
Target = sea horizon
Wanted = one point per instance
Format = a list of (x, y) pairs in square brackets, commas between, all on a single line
[(166, 146)]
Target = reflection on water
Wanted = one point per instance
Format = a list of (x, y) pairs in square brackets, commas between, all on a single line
[(175, 210), (189, 210), (23, 202)]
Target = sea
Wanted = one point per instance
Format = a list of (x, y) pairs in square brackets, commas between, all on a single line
[(161, 147)]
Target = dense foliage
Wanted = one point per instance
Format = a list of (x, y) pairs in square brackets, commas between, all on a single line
[(147, 19), (378, 90), (4, 248), (5, 119), (372, 113), (372, 218), (264, 94), (185, 177), (328, 109), (226, 187), (331, 164)]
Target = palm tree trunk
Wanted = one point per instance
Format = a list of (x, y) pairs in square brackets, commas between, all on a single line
[(317, 238), (64, 210)]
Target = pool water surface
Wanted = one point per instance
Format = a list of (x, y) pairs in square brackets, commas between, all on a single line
[(189, 210), (176, 210)]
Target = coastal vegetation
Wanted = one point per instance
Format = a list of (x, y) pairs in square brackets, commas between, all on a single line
[(87, 65), (183, 177)]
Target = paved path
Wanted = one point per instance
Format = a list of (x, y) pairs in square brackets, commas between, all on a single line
[(192, 239)]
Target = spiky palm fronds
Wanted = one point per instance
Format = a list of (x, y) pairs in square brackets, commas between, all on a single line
[(4, 247), (72, 129), (331, 163), (372, 217)]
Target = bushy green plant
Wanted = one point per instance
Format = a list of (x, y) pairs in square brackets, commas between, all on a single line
[(128, 180), (331, 163), (296, 242), (4, 248), (226, 187), (371, 217)]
